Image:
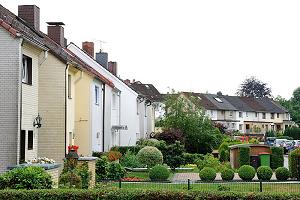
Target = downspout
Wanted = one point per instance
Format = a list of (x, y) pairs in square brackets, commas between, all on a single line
[(103, 121), (66, 80), (20, 77), (119, 117)]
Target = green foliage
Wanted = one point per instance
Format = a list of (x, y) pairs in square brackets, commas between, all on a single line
[(264, 173), (31, 177), (223, 187), (277, 159), (282, 173), (70, 179), (129, 159), (147, 142), (227, 174), (246, 172), (170, 136), (252, 87), (115, 171), (244, 155), (99, 154), (224, 152), (210, 161), (150, 156), (183, 113), (101, 168), (3, 182), (293, 159), (174, 155), (293, 132), (159, 173), (83, 171), (270, 133), (208, 174), (191, 158)]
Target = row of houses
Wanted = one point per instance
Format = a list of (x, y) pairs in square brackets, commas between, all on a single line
[(54, 95)]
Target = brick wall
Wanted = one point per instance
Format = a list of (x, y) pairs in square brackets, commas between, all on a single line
[(92, 168), (54, 173)]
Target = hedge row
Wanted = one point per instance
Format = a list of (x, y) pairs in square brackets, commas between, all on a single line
[(277, 157), (137, 194), (244, 156)]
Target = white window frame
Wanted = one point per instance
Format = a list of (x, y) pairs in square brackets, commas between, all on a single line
[(97, 95)]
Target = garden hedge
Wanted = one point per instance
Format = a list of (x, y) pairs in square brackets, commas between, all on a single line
[(244, 156), (59, 194), (293, 156), (277, 157)]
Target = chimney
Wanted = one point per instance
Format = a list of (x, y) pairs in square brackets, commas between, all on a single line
[(88, 47), (127, 81), (113, 67), (102, 59), (56, 32), (30, 14)]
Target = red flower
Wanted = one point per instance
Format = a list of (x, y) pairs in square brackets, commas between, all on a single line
[(73, 147)]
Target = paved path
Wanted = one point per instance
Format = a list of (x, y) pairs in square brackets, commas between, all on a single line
[(183, 177)]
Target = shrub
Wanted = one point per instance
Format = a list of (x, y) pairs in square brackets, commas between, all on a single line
[(31, 177), (264, 173), (83, 171), (277, 159), (147, 142), (207, 174), (224, 152), (99, 154), (293, 156), (114, 155), (101, 168), (115, 171), (170, 136), (130, 160), (150, 156), (227, 174), (270, 133), (191, 158), (244, 155), (293, 132), (3, 182), (159, 172), (246, 172), (282, 173), (174, 155), (70, 180), (209, 161)]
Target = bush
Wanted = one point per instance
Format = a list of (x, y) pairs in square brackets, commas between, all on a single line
[(227, 174), (3, 182), (31, 177), (282, 173), (208, 174), (170, 136), (293, 132), (277, 159), (101, 168), (246, 172), (150, 156), (159, 173), (115, 171), (264, 173), (130, 160), (209, 161), (270, 133), (114, 155), (99, 154), (244, 155), (224, 152), (293, 156), (191, 158), (83, 171), (174, 155), (148, 142), (70, 180)]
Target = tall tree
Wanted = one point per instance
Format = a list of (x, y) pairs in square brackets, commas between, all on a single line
[(252, 87)]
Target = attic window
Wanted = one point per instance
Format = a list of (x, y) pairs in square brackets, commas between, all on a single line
[(147, 86), (218, 100)]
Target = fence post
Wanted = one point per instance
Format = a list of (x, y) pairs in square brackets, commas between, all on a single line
[(260, 186), (120, 183), (189, 184)]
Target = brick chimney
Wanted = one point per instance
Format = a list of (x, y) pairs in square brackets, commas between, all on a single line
[(56, 32), (88, 47), (127, 81), (113, 67), (30, 14)]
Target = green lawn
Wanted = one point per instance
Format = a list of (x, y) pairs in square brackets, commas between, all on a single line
[(233, 186)]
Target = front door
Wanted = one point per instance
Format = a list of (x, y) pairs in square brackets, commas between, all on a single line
[(22, 146)]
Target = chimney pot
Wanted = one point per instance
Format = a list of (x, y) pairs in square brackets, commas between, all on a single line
[(113, 67), (88, 47), (56, 32), (30, 14)]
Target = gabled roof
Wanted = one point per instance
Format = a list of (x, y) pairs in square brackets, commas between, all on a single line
[(18, 27), (147, 90), (222, 105)]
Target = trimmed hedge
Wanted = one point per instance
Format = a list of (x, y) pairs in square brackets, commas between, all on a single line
[(264, 173), (293, 156), (282, 173), (277, 157), (122, 194), (246, 172), (159, 173), (244, 156), (208, 174), (227, 174)]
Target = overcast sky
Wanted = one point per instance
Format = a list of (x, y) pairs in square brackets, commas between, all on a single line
[(188, 45)]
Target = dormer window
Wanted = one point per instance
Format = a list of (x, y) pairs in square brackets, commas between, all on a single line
[(27, 70), (218, 99)]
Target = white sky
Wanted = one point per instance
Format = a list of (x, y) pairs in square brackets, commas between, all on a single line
[(188, 45)]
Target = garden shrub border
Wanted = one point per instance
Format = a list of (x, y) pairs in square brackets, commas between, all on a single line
[(277, 159), (244, 155)]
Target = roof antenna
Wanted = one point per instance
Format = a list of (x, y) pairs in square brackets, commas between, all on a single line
[(101, 42)]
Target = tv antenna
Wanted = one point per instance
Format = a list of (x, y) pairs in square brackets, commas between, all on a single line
[(101, 42)]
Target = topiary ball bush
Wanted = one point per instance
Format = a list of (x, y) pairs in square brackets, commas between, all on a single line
[(246, 172), (264, 173), (150, 156), (208, 174), (159, 173), (227, 174), (282, 173)]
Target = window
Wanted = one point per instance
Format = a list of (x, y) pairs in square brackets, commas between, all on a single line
[(27, 70), (264, 115), (211, 113), (233, 125), (96, 95), (137, 107), (277, 115), (69, 86), (218, 100), (246, 114), (240, 114), (230, 113), (145, 109), (240, 126), (256, 114), (222, 112), (30, 140), (272, 115), (114, 101)]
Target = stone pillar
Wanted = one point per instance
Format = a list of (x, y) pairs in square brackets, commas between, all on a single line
[(92, 168)]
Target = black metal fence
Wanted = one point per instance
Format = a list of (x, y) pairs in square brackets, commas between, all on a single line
[(237, 186)]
